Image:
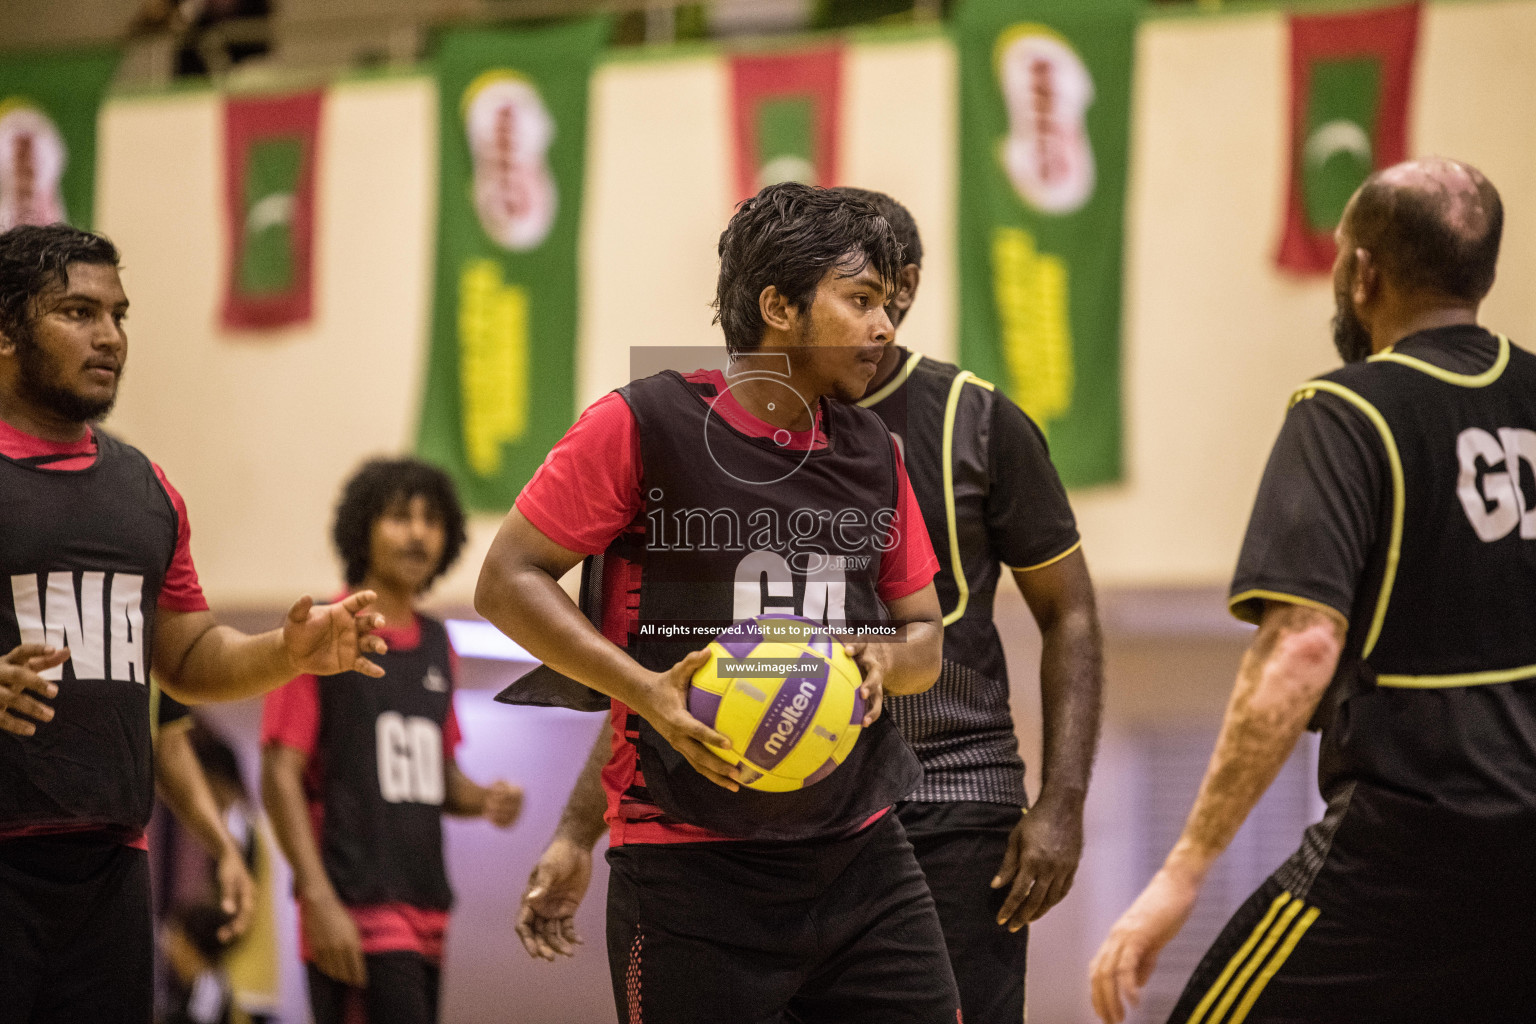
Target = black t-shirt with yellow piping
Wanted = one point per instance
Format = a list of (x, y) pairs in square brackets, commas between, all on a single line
[(1400, 494), (989, 497)]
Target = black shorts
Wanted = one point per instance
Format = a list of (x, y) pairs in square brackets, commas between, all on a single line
[(402, 989), (826, 931), (1391, 911), (75, 932), (960, 846)]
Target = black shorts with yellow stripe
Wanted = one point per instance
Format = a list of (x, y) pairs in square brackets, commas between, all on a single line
[(1390, 912)]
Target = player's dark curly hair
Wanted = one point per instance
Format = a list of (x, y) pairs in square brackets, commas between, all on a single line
[(897, 216), (789, 235), (34, 258), (370, 491)]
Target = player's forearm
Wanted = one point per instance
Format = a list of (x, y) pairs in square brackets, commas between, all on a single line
[(184, 788), (282, 793), (1283, 676), (464, 797), (1071, 703), (225, 664), (582, 822), (915, 657), (527, 603)]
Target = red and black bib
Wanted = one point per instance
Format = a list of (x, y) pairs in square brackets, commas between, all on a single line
[(84, 554), (382, 778)]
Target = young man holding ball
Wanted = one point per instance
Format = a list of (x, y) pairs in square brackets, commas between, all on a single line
[(726, 903)]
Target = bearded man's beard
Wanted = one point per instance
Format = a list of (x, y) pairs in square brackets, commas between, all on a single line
[(1350, 336), (32, 364)]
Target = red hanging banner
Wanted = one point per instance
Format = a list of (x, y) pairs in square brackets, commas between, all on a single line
[(784, 113), (1350, 79), (270, 147)]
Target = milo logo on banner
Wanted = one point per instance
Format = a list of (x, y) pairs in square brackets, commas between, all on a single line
[(32, 161), (1047, 90), (510, 131)]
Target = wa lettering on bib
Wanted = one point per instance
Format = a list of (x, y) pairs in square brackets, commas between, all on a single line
[(97, 615)]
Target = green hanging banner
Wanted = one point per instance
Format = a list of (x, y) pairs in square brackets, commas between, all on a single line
[(1045, 102), (48, 107), (501, 376)]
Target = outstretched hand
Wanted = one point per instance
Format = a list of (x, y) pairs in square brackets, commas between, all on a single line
[(666, 708), (19, 673), (1124, 962), (324, 639), (546, 919)]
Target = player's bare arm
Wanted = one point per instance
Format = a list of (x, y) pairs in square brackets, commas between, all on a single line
[(332, 934), (519, 592), (546, 917), (500, 803), (21, 685), (908, 663), (197, 660), (181, 783), (1046, 845), (1283, 676)]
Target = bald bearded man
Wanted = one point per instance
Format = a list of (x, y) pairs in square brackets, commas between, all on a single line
[(1390, 564)]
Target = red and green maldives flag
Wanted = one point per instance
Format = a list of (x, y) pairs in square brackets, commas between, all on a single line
[(48, 107), (270, 145), (1350, 76), (784, 112)]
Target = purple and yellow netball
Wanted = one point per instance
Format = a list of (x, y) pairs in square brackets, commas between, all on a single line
[(786, 692)]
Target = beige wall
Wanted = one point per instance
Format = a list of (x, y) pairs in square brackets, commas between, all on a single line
[(258, 431)]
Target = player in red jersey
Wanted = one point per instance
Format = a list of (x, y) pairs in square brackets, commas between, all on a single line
[(98, 590), (357, 773), (726, 903)]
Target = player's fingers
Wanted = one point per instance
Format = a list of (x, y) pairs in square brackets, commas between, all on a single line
[(568, 932), (356, 602), (874, 707), (372, 644), (44, 662), (554, 936), (524, 929), (689, 664), (23, 653), (700, 733), (1111, 998), (300, 610), (367, 668), (31, 707), (1098, 997), (1010, 864), (16, 726), (710, 766), (1128, 977), (1024, 882), (1034, 903), (1060, 886), (245, 903)]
